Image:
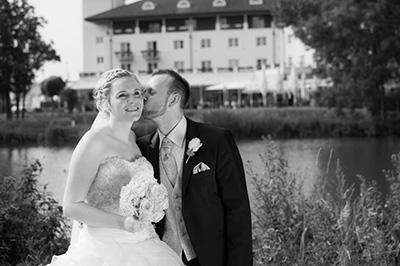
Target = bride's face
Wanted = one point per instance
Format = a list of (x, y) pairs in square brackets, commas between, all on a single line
[(126, 101)]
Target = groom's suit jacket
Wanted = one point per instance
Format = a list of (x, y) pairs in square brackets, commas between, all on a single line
[(215, 204)]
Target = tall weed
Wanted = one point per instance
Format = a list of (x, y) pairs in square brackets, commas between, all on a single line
[(32, 225), (326, 227)]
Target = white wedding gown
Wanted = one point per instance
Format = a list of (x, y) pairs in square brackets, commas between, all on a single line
[(108, 247)]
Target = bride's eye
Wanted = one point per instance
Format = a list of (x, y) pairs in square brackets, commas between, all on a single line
[(137, 93), (122, 95)]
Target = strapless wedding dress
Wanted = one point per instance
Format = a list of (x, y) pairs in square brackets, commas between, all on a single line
[(108, 247)]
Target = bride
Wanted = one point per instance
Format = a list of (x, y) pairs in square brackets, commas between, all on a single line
[(103, 186)]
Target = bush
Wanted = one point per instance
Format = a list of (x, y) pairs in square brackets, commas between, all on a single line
[(32, 225), (326, 226)]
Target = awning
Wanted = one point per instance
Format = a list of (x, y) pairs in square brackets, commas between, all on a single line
[(232, 80)]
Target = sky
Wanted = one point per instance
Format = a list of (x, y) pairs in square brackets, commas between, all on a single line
[(64, 29)]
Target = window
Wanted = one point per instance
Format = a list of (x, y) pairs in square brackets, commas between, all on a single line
[(178, 44), (259, 21), (261, 62), (99, 39), (178, 65), (148, 5), (231, 22), (205, 43), (125, 47), (126, 66), (151, 67), (219, 3), (183, 4), (261, 41), (233, 63), (177, 25), (206, 66), (100, 60), (233, 42), (256, 2), (124, 27), (148, 26), (207, 23)]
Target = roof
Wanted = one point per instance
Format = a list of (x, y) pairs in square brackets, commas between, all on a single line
[(165, 8)]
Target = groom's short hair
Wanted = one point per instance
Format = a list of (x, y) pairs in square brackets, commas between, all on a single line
[(179, 84)]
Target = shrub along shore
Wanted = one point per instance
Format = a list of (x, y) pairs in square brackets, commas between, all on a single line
[(66, 129)]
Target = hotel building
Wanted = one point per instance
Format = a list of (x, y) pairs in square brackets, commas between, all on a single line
[(218, 45)]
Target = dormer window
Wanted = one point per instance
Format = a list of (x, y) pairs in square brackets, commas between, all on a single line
[(219, 3), (183, 4), (148, 5), (256, 2)]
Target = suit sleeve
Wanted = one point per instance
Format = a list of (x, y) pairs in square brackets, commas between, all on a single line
[(233, 191)]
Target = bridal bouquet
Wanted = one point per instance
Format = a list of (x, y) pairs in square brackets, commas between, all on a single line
[(144, 199)]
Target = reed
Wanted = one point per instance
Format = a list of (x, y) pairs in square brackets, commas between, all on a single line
[(325, 227)]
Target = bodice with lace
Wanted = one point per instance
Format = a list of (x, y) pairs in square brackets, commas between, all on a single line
[(114, 173)]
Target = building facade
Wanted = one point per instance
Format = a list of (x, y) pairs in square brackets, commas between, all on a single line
[(203, 39)]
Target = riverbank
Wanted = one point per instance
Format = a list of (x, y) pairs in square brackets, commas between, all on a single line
[(62, 129)]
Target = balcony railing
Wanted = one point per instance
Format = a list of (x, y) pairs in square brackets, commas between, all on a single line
[(124, 56), (151, 55)]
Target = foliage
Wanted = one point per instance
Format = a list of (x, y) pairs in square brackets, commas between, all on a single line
[(357, 44), (22, 50), (70, 96), (52, 86), (57, 128), (32, 225), (326, 227)]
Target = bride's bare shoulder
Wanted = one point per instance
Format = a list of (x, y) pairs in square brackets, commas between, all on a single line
[(94, 140)]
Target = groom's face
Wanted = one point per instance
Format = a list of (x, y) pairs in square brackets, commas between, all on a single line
[(156, 95)]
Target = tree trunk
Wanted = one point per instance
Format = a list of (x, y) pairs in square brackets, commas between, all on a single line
[(23, 105), (8, 104), (17, 99), (383, 106)]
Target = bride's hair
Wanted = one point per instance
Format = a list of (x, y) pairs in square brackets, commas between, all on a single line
[(101, 92)]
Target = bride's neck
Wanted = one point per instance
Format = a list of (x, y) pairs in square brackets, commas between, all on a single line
[(121, 130)]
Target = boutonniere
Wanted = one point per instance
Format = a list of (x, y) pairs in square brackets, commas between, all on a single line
[(194, 145)]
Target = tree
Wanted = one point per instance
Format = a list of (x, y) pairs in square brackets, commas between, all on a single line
[(357, 44), (70, 97), (52, 86), (22, 50)]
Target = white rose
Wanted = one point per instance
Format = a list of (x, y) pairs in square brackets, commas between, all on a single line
[(157, 192), (195, 144)]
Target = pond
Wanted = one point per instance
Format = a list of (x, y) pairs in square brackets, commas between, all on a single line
[(357, 156)]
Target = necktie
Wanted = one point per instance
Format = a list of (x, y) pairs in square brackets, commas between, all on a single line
[(168, 160)]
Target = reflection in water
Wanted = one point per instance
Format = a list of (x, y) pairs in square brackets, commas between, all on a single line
[(308, 157), (54, 160)]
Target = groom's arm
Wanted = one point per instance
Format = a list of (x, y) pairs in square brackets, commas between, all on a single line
[(233, 191)]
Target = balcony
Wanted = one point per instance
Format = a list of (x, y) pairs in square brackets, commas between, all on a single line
[(124, 56), (151, 55)]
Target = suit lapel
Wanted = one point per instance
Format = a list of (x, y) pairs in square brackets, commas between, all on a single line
[(153, 151), (191, 132)]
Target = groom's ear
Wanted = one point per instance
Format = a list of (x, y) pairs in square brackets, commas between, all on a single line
[(174, 99)]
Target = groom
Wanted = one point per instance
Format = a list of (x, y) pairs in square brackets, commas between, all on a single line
[(208, 220)]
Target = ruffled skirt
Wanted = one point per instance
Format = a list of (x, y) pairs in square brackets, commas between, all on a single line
[(115, 247)]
